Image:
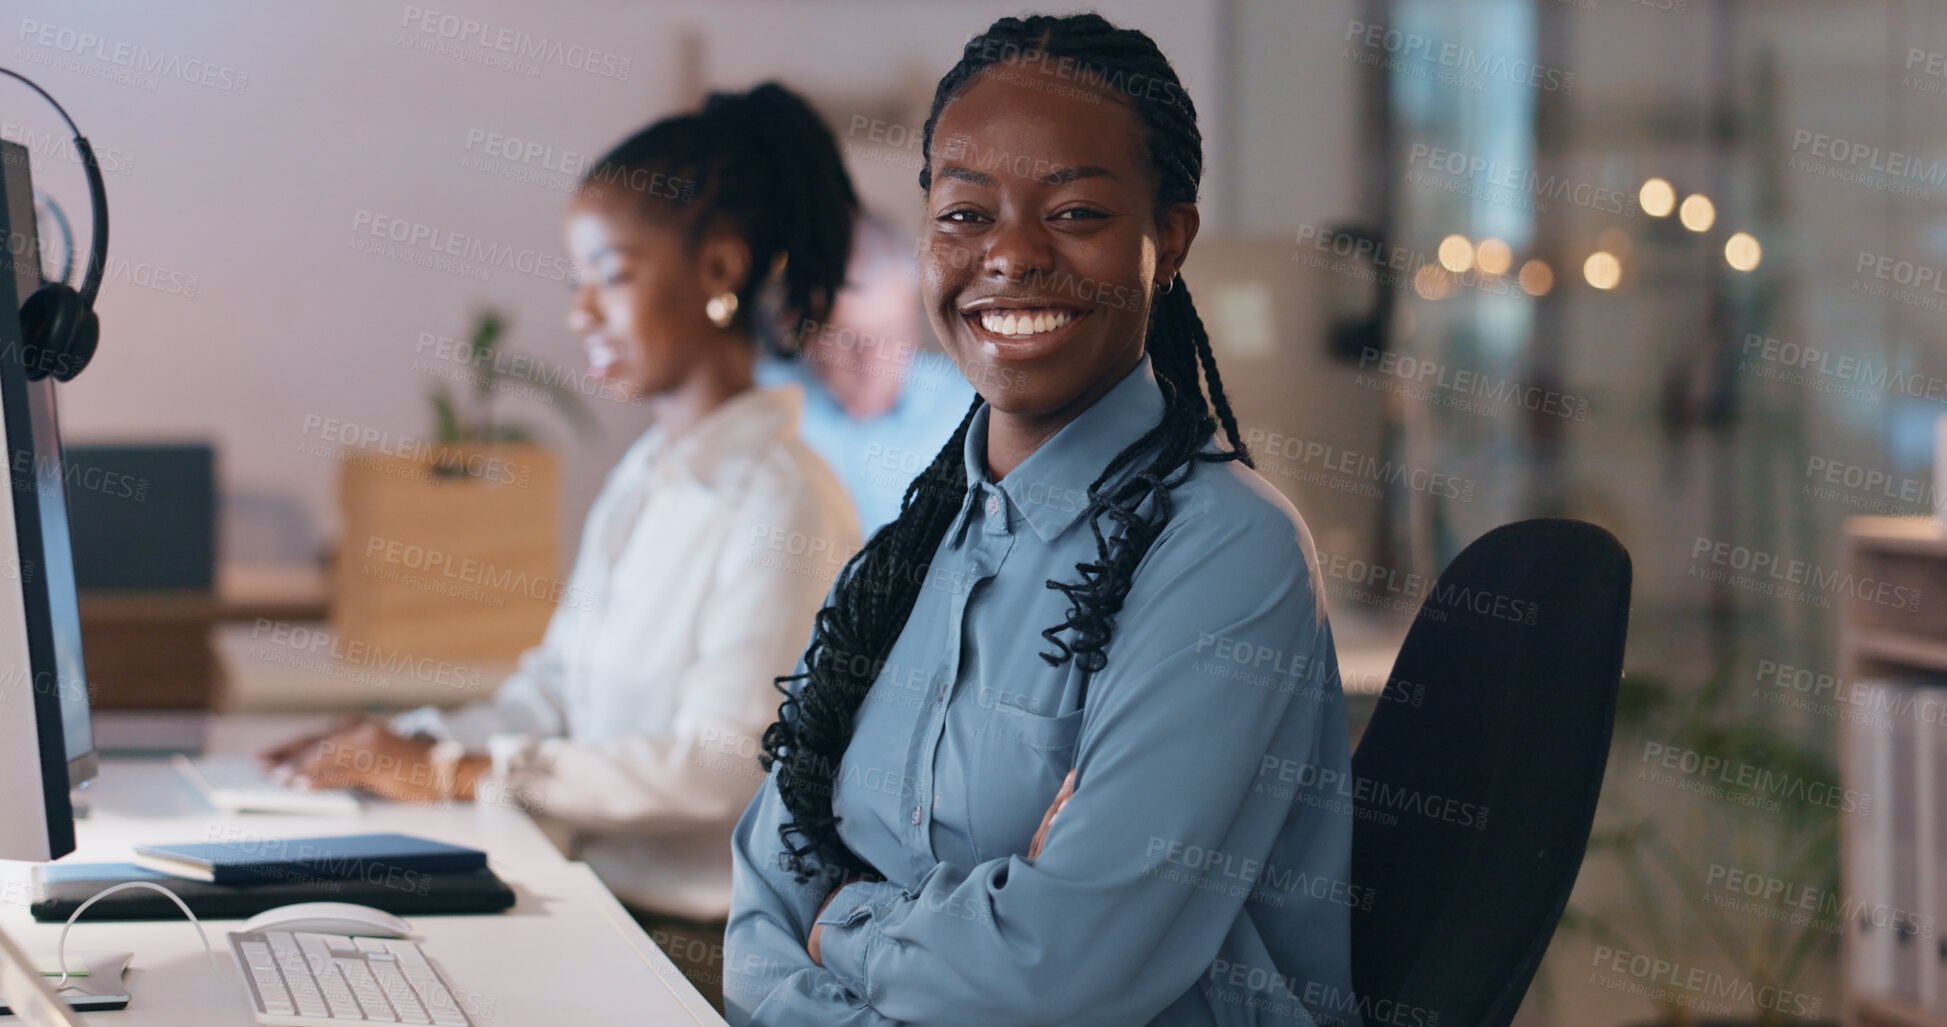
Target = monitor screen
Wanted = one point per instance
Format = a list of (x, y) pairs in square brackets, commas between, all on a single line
[(57, 560), (46, 567)]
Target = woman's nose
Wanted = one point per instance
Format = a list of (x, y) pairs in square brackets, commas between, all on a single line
[(1016, 250), (583, 315)]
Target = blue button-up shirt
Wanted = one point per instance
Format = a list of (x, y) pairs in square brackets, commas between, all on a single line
[(1198, 874)]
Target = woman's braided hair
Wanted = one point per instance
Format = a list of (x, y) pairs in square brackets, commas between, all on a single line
[(877, 588), (764, 163)]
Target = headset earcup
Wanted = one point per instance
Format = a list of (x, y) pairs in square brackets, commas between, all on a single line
[(46, 316), (81, 345), (61, 333)]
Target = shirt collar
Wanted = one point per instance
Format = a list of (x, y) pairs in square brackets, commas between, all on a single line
[(1050, 487), (742, 423)]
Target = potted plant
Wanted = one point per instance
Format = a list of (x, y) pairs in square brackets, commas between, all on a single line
[(451, 545), (1689, 903)]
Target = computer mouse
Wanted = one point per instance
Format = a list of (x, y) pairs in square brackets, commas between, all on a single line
[(330, 918)]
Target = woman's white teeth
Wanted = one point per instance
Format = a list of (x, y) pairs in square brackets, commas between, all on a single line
[(1024, 322)]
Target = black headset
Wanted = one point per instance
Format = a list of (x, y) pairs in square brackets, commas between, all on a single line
[(59, 321)]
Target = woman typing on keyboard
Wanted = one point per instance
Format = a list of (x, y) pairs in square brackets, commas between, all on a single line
[(1045, 759), (632, 729)]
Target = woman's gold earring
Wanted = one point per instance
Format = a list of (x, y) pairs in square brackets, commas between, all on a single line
[(721, 309)]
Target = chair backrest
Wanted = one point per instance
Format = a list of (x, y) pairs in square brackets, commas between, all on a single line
[(1476, 779)]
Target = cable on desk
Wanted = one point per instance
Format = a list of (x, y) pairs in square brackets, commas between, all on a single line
[(61, 946)]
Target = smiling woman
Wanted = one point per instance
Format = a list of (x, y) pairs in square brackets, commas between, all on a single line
[(961, 825)]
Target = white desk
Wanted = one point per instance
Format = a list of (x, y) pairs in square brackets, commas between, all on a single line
[(566, 953)]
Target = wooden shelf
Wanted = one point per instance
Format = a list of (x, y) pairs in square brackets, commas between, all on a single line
[(1894, 647), (1921, 536), (1874, 1011), (151, 649), (242, 593)]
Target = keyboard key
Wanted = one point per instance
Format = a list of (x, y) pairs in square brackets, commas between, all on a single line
[(347, 979), (366, 990), (400, 992), (337, 993), (439, 1002), (316, 953)]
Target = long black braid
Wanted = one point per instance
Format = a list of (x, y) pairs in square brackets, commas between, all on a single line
[(877, 588), (767, 164)]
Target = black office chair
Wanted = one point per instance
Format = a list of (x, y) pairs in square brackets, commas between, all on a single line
[(1478, 774)]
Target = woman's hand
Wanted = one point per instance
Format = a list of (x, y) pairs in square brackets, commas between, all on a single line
[(1048, 818), (282, 760), (369, 757), (1034, 850), (811, 943)]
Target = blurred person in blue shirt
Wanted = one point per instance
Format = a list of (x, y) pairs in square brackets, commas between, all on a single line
[(879, 401)]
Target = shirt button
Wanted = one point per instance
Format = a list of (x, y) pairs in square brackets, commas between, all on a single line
[(943, 692), (916, 815), (993, 506)]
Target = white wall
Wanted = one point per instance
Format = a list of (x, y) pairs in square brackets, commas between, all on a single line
[(265, 318)]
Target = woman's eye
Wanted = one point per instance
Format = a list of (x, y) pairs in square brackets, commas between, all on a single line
[(960, 217), (1080, 213)]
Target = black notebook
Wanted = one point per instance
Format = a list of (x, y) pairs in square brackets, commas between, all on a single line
[(60, 888), (373, 857)]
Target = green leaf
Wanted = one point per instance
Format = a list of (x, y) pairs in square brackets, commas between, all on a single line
[(476, 422), (446, 419), (488, 325)]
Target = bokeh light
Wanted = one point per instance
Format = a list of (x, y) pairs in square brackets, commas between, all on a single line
[(1697, 212), (1602, 270), (1657, 198), (1431, 282), (1742, 252), (1537, 278), (1493, 257)]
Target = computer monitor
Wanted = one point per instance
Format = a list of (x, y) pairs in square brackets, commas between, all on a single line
[(46, 743)]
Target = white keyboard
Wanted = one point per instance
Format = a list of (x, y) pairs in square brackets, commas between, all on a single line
[(300, 979), (236, 784)]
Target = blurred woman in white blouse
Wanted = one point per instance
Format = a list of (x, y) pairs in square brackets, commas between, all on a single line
[(632, 729)]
